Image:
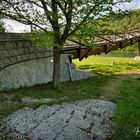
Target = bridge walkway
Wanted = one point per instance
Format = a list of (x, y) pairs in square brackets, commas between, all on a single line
[(104, 44)]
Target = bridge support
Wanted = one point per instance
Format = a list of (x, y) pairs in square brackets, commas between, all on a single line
[(139, 47)]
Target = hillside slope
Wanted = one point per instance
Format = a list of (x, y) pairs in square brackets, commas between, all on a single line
[(129, 22)]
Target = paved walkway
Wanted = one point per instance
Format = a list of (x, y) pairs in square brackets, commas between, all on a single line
[(80, 120)]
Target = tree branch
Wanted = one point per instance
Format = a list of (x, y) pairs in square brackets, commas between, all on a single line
[(85, 18), (24, 21), (47, 12), (63, 9), (68, 16), (35, 3)]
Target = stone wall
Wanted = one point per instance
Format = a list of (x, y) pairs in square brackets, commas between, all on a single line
[(15, 49), (23, 64)]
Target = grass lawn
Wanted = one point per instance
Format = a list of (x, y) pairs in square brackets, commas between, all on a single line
[(119, 83), (108, 65)]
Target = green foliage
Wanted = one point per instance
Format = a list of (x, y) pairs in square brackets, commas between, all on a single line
[(2, 29), (128, 22), (63, 18), (91, 28), (111, 24), (125, 23), (42, 39)]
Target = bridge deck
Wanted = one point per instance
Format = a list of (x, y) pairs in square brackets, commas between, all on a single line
[(105, 42)]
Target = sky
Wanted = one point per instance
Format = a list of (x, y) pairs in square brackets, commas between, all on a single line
[(13, 26), (138, 3)]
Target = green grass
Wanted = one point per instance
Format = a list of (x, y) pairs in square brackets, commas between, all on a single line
[(103, 65), (66, 92), (69, 90), (128, 114), (123, 89)]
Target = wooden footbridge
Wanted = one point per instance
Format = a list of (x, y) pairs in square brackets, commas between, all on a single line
[(106, 43)]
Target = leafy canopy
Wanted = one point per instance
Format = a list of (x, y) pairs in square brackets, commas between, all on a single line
[(61, 18)]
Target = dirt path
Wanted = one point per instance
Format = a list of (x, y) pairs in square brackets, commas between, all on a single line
[(111, 89)]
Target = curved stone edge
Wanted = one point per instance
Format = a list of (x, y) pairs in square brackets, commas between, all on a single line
[(37, 72)]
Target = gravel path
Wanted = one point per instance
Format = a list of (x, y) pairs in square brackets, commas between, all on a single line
[(79, 120)]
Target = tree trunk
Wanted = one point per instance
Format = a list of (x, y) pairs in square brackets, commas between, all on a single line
[(56, 66)]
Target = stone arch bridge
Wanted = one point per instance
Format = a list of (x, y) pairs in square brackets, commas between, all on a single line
[(23, 64)]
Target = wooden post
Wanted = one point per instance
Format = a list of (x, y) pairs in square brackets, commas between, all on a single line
[(79, 50), (139, 47)]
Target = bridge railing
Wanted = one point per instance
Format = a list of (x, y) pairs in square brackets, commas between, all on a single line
[(112, 38)]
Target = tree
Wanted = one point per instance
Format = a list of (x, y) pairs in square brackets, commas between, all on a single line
[(61, 18)]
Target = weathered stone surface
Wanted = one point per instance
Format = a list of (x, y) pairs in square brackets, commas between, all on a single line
[(70, 121), (30, 100), (35, 72), (23, 64)]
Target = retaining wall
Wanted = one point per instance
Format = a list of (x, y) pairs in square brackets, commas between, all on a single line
[(23, 64)]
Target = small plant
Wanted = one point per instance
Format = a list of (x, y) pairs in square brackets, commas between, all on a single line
[(3, 98), (16, 98)]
